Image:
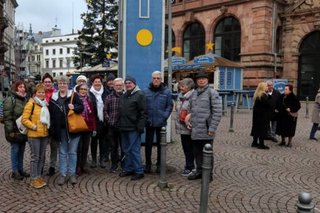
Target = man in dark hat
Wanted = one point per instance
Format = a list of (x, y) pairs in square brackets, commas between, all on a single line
[(132, 111), (205, 116)]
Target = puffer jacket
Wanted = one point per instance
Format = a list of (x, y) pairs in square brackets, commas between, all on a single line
[(183, 102), (132, 111), (31, 118), (205, 117), (12, 109), (159, 105)]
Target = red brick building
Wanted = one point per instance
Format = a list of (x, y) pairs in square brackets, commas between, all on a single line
[(271, 38)]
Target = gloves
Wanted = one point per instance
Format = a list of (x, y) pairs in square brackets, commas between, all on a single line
[(94, 133), (34, 127)]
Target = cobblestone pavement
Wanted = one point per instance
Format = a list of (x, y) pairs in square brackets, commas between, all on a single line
[(245, 179)]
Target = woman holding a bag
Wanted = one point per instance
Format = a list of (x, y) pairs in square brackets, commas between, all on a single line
[(36, 118), (288, 107), (186, 89), (59, 106), (12, 110)]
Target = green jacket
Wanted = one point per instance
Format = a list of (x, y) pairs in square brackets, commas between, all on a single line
[(12, 109)]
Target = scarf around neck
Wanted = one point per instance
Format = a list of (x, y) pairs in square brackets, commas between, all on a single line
[(44, 113), (98, 95)]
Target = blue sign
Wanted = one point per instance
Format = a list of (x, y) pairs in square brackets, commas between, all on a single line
[(202, 59), (143, 33), (279, 84), (106, 63), (178, 60)]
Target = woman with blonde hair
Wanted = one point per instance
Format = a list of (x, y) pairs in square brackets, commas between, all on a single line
[(36, 118), (260, 118)]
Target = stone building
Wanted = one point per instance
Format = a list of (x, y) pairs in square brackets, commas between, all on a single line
[(271, 38)]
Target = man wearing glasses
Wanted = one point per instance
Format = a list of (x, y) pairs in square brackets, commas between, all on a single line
[(159, 107)]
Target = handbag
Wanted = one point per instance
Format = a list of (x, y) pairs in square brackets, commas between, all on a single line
[(182, 115), (76, 123), (22, 129)]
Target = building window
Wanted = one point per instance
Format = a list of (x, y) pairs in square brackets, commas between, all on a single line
[(68, 50), (193, 41), (53, 51), (227, 38), (61, 51), (47, 64), (47, 52), (60, 73), (38, 57), (54, 74), (53, 63), (61, 63)]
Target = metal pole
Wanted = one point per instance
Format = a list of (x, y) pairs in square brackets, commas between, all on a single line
[(206, 170), (169, 45), (231, 117), (307, 107), (304, 204), (163, 182)]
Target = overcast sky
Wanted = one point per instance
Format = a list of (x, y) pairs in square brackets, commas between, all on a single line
[(44, 14)]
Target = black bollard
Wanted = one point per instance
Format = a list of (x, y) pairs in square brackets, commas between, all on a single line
[(307, 107), (304, 204), (206, 170), (163, 182), (231, 117)]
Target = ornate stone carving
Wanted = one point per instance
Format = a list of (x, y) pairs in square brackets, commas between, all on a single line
[(302, 5)]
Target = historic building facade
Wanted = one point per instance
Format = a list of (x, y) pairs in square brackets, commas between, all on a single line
[(271, 38)]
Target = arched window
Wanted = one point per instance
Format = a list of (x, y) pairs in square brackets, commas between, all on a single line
[(227, 38), (167, 43), (193, 41)]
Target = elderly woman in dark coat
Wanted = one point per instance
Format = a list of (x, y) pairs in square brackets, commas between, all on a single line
[(315, 117), (260, 118), (288, 107)]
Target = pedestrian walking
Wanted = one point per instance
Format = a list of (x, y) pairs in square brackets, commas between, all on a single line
[(315, 117), (36, 118)]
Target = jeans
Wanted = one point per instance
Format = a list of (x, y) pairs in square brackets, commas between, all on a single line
[(149, 143), (272, 129), (17, 154), (68, 153), (83, 149), (114, 138), (314, 129), (131, 144), (198, 153), (188, 151), (38, 151), (54, 147)]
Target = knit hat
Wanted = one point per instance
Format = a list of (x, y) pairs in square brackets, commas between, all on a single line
[(202, 75), (110, 77), (81, 77), (132, 79)]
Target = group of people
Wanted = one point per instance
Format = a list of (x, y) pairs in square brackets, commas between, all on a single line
[(274, 114), (116, 116)]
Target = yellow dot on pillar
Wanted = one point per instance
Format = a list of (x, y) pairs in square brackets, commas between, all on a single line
[(144, 37)]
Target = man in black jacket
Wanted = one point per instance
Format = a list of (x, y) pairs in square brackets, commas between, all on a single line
[(132, 111), (275, 95)]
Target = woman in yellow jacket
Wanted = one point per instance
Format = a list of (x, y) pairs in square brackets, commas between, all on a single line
[(36, 118)]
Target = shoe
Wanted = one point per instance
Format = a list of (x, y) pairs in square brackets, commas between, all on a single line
[(78, 171), (94, 164), (289, 145), (263, 147), (124, 174), (158, 169), (282, 143), (195, 176), (113, 168), (42, 181), (274, 140), (147, 169), (51, 171), (103, 164), (61, 180), (16, 176), (73, 179), (24, 174), (36, 183), (254, 144), (186, 172), (313, 138), (137, 177)]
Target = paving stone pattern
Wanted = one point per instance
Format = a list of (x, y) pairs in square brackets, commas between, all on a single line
[(245, 179)]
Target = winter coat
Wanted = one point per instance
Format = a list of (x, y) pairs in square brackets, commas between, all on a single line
[(31, 117), (101, 126), (159, 105), (316, 109), (286, 124), (275, 95), (132, 110), (58, 113), (206, 112), (12, 109), (260, 116), (183, 103)]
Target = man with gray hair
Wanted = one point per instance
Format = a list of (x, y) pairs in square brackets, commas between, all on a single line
[(275, 95), (159, 107)]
